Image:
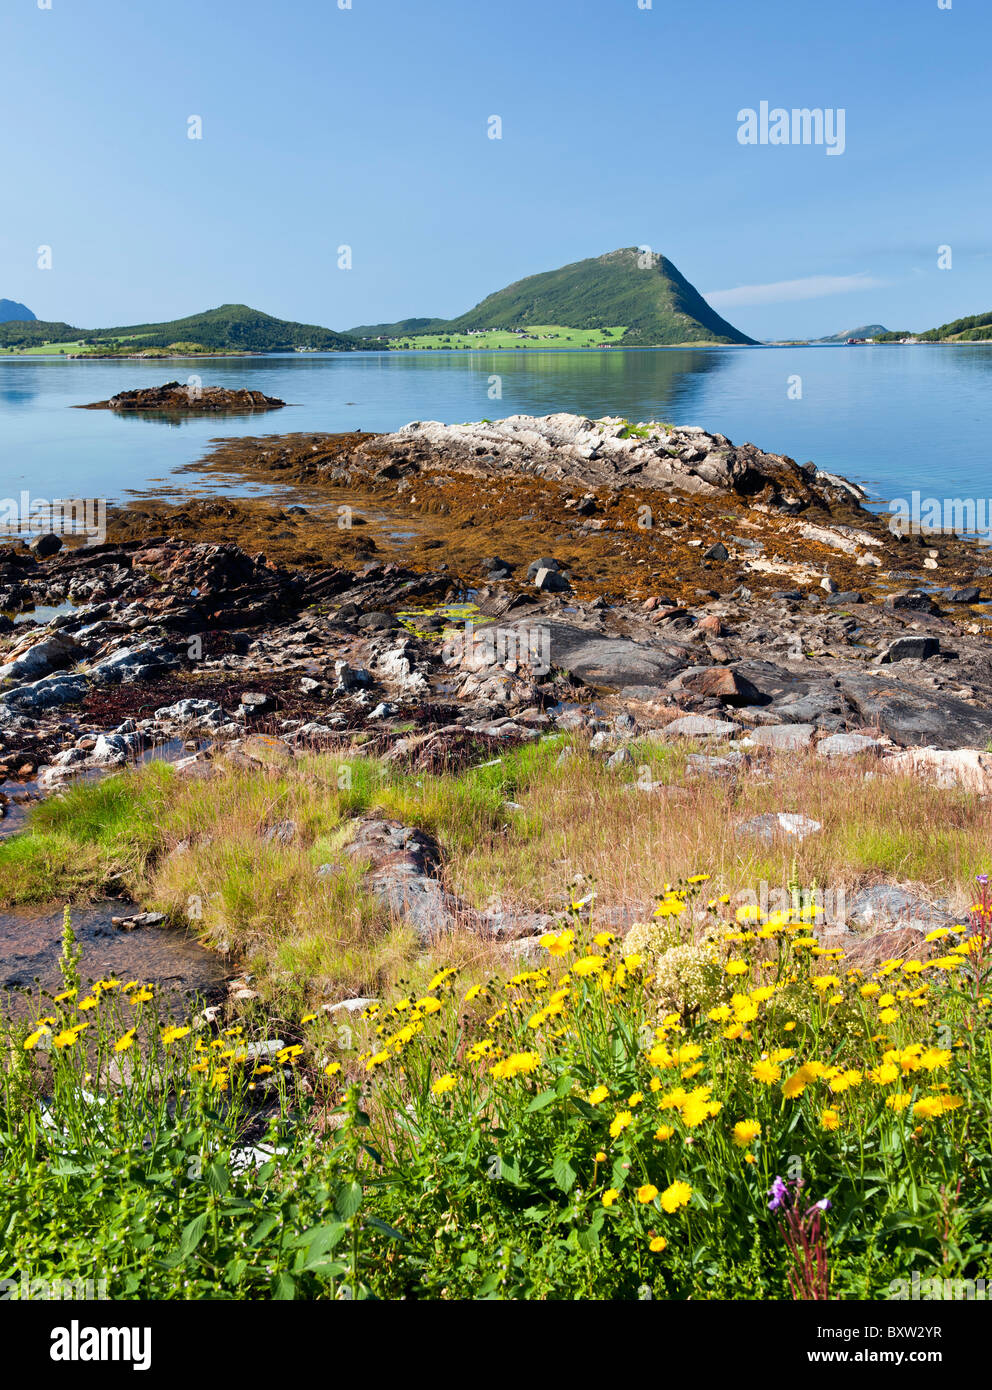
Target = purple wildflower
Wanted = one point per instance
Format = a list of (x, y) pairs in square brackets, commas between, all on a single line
[(779, 1194)]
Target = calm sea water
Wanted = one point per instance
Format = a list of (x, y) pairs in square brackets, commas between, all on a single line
[(895, 418)]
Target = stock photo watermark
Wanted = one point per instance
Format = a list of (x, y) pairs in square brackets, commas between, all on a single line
[(774, 125), (60, 516)]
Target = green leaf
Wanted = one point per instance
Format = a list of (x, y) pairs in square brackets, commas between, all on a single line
[(283, 1288), (544, 1099), (348, 1200), (192, 1235), (563, 1172), (389, 1231), (217, 1179), (267, 1224)]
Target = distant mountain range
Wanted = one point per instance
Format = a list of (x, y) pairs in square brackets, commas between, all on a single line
[(625, 298), (10, 309), (231, 328), (642, 293), (867, 330)]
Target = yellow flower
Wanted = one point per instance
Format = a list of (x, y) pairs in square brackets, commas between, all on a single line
[(558, 944), (657, 1244), (664, 1132), (745, 1009), (588, 965), (141, 996), (603, 938), (830, 1119), (620, 1123), (696, 1110), (821, 983), (845, 1079), (766, 1072), (635, 1098), (888, 1015), (610, 1196), (676, 1195), (935, 1057), (600, 1156), (332, 1068), (90, 1002), (173, 1034), (33, 1039), (898, 1102), (736, 967), (66, 994), (473, 993), (428, 1005), (444, 1083), (745, 1131), (125, 1041), (885, 1074), (870, 989), (797, 1083), (646, 1193), (516, 1064), (598, 1094), (441, 977), (748, 913), (285, 1054), (720, 1014), (928, 1107)]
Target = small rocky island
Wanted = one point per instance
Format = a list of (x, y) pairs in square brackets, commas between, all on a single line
[(181, 398)]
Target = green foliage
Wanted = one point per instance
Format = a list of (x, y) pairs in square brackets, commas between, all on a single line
[(547, 1136)]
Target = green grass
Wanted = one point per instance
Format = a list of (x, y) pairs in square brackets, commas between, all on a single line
[(262, 899), (548, 337)]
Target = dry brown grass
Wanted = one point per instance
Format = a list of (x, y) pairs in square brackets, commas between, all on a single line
[(198, 849)]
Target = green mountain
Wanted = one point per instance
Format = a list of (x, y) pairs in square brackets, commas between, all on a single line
[(403, 328), (867, 330), (976, 328), (11, 310), (654, 301), (232, 327)]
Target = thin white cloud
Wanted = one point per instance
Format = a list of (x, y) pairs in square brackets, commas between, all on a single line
[(787, 291)]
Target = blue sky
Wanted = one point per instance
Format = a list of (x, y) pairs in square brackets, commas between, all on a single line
[(368, 127)]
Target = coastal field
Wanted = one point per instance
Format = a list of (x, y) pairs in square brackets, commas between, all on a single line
[(548, 336)]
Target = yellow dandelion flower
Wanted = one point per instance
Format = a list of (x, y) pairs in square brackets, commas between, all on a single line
[(745, 1131), (676, 1195), (619, 1123)]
